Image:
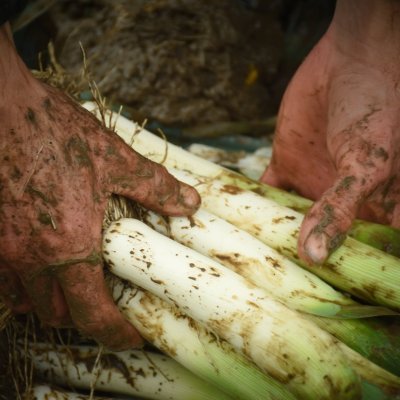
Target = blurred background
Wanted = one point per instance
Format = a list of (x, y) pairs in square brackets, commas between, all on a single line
[(202, 70)]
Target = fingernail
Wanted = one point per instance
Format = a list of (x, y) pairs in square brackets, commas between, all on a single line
[(189, 197), (316, 249)]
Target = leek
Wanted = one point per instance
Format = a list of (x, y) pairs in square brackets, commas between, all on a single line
[(138, 373), (45, 392), (259, 264), (375, 338), (285, 281), (372, 373), (192, 346), (277, 339), (197, 349)]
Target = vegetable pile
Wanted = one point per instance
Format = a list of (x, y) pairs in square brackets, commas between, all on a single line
[(224, 297)]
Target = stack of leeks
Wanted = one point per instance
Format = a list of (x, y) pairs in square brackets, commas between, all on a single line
[(225, 295)]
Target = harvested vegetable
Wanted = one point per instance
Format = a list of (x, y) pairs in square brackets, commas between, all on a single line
[(136, 372), (200, 351), (45, 392), (260, 264), (377, 339), (282, 343), (194, 347), (285, 281)]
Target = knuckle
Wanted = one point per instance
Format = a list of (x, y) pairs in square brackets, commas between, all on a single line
[(333, 216), (344, 215), (381, 175)]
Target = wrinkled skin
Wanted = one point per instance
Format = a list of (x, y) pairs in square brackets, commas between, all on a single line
[(58, 167), (338, 133)]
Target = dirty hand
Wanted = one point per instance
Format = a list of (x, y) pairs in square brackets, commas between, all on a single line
[(338, 132), (58, 167)]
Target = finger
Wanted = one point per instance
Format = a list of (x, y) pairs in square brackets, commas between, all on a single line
[(48, 301), (359, 138), (132, 175), (92, 308), (325, 226), (13, 293)]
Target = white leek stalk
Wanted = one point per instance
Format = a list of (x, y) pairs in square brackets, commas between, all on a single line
[(285, 281), (251, 165), (45, 392), (197, 349), (261, 265), (136, 372), (154, 147), (186, 341), (283, 344)]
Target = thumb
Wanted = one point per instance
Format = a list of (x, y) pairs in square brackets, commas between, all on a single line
[(132, 175), (325, 226)]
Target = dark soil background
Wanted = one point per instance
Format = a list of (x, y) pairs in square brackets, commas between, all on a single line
[(182, 62)]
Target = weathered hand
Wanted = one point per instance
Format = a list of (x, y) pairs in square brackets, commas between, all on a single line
[(338, 141), (58, 167)]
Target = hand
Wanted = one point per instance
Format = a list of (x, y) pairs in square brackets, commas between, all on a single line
[(58, 167), (338, 137)]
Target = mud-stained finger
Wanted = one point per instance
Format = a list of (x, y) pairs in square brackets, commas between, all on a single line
[(325, 226), (148, 183), (92, 308)]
